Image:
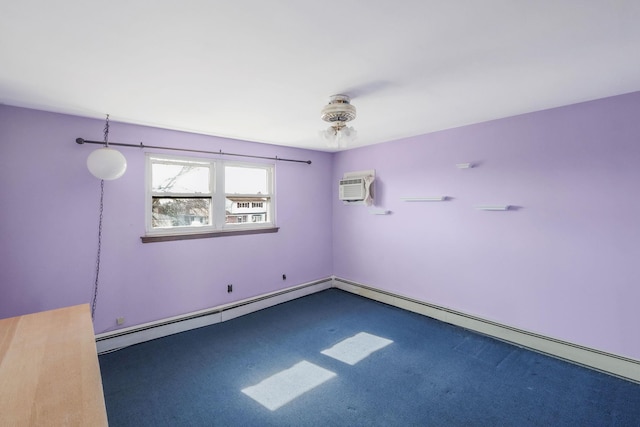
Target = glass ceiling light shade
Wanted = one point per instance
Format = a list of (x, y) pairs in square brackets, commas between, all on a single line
[(107, 163), (338, 136), (338, 112)]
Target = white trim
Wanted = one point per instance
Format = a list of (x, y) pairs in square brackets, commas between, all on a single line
[(113, 340), (613, 364)]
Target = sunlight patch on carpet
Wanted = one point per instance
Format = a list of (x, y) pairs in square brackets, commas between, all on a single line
[(354, 349), (281, 388)]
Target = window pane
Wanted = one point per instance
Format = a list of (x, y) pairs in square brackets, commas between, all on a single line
[(243, 180), (180, 212), (180, 178), (247, 209)]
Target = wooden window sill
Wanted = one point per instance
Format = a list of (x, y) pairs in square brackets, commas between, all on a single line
[(171, 237)]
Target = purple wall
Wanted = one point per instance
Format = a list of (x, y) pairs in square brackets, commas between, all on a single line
[(564, 265), (48, 231)]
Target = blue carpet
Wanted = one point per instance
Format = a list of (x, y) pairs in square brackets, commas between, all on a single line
[(431, 374)]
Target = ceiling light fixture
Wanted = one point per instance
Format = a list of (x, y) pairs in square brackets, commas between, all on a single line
[(338, 112)]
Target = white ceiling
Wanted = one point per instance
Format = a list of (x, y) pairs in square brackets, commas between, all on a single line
[(262, 70)]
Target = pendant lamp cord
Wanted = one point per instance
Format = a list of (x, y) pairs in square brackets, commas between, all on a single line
[(101, 209), (95, 286)]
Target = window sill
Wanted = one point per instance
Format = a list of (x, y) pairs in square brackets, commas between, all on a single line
[(171, 237)]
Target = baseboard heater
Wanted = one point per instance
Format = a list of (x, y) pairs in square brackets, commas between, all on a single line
[(620, 366), (109, 341)]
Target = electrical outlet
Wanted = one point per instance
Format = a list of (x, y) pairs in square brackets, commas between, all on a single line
[(119, 320), (229, 288)]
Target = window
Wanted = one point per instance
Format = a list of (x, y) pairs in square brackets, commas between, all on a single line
[(193, 195), (249, 190), (181, 193)]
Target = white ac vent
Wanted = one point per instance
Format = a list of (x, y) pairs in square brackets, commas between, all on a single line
[(353, 189)]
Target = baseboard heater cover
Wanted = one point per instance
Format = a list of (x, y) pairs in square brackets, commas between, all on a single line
[(619, 366), (113, 340)]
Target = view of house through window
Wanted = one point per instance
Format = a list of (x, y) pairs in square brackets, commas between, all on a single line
[(247, 193), (192, 195)]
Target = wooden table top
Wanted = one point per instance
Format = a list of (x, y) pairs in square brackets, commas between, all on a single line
[(49, 371)]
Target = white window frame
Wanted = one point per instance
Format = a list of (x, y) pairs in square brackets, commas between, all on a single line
[(217, 221)]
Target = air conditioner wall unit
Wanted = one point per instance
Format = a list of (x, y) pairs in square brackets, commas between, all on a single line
[(353, 189), (356, 188)]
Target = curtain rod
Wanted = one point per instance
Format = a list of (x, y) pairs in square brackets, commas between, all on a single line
[(84, 141)]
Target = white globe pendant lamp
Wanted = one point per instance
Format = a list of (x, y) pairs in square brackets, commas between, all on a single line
[(107, 163)]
